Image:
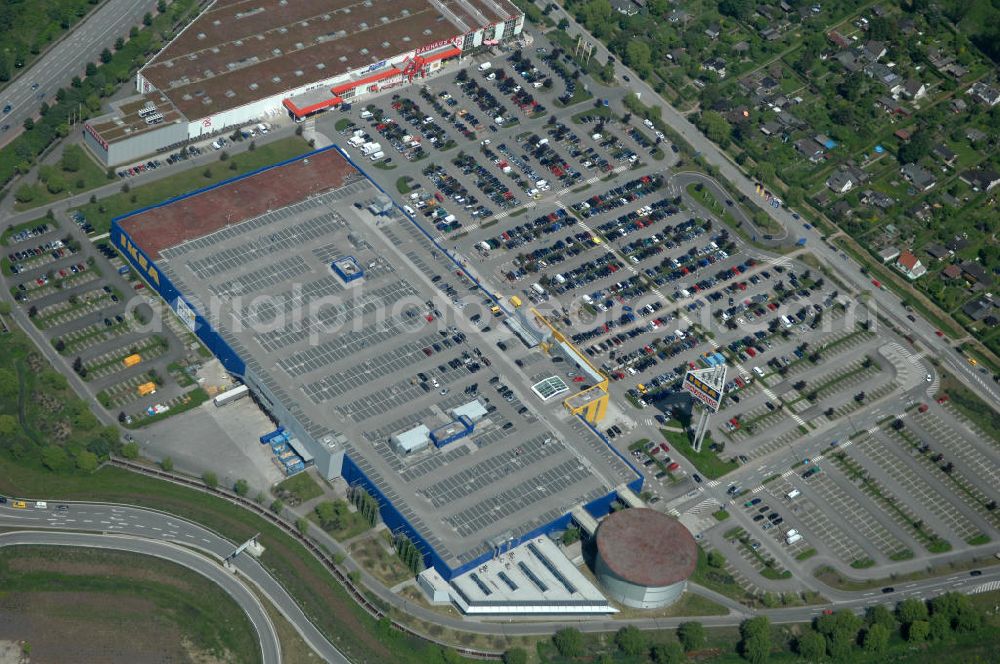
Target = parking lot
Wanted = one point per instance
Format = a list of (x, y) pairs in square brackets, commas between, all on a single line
[(72, 291)]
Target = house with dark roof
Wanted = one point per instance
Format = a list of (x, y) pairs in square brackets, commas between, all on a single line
[(921, 212), (914, 89), (850, 61), (921, 178), (873, 198), (810, 149), (937, 251), (985, 93), (625, 7), (944, 153), (974, 273), (980, 179), (884, 75), (978, 309), (846, 179), (713, 31), (874, 50), (974, 135)]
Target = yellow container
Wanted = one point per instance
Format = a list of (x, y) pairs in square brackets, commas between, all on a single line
[(132, 360), (515, 300), (147, 388)]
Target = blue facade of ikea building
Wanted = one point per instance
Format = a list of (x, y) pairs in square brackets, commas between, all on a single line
[(342, 465)]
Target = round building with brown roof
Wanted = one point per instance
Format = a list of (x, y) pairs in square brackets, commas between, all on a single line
[(644, 557)]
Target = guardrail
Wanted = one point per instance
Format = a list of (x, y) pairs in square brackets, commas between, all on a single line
[(322, 556)]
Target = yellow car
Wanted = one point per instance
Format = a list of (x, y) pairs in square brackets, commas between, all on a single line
[(973, 361), (19, 504)]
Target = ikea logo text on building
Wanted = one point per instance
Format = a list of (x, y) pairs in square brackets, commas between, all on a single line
[(139, 259)]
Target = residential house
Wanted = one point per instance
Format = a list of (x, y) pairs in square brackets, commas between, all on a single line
[(873, 50), (907, 26), (886, 76), (770, 33), (624, 7), (958, 106), (713, 31), (715, 65), (913, 89), (922, 212), (974, 135), (978, 309), (769, 84), (678, 16), (741, 48), (770, 128), (890, 105), (888, 253), (976, 274), (937, 251), (877, 199), (980, 179), (789, 121), (846, 179), (910, 265), (945, 154), (850, 61), (951, 272), (921, 178), (838, 39), (957, 243), (810, 149), (842, 209), (985, 94)]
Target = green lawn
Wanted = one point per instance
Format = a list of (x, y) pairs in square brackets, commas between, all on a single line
[(109, 585), (707, 462), (74, 173), (300, 487), (100, 214)]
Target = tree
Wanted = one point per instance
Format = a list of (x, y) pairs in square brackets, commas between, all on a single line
[(755, 639), (91, 69), (915, 149), (691, 635), (86, 461), (637, 56), (130, 450), (8, 426), (716, 559), (147, 20), (918, 631), (161, 6), (571, 535), (630, 640), (55, 458), (210, 479), (9, 385), (119, 43), (242, 488), (167, 464), (106, 56), (29, 124), (515, 656), (331, 515), (910, 610), (715, 126), (738, 9), (667, 653), (277, 506), (880, 615), (876, 639), (939, 627), (810, 646), (302, 525), (569, 642)]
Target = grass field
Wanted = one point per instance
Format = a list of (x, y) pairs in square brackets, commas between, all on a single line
[(707, 462), (298, 489), (77, 602), (103, 211), (74, 173)]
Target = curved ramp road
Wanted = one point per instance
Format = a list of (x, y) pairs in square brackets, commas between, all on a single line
[(269, 646), (120, 523)]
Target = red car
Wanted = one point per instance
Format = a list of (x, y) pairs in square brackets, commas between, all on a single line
[(876, 283), (674, 466), (922, 408), (939, 333), (664, 447), (578, 379)]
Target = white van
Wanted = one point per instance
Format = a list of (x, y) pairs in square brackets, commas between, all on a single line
[(485, 66), (42, 505), (758, 371), (792, 539), (378, 155), (366, 114), (793, 494)]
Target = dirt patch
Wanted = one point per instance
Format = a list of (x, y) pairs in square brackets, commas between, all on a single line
[(11, 653), (70, 628)]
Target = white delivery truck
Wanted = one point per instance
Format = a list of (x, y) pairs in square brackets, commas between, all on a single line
[(792, 539), (376, 156), (366, 114), (356, 141), (486, 66), (793, 494)]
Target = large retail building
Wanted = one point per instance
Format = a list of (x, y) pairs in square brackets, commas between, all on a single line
[(239, 63)]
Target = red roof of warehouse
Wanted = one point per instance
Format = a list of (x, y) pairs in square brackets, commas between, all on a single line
[(186, 218), (646, 547)]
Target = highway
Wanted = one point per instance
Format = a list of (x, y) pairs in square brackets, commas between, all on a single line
[(119, 524), (269, 645), (67, 58)]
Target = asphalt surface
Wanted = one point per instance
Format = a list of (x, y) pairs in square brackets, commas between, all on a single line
[(68, 58), (114, 521), (269, 645), (887, 303), (118, 524)]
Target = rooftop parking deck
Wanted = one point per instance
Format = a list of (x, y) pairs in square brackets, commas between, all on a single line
[(377, 356)]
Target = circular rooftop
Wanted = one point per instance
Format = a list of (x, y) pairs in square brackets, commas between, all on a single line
[(646, 547)]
